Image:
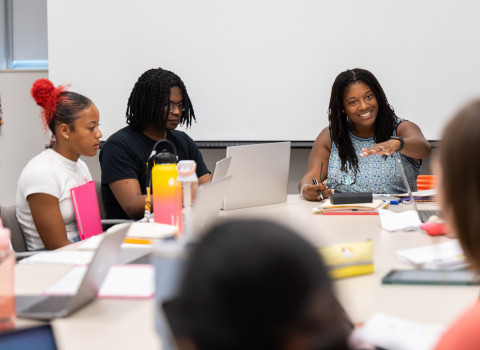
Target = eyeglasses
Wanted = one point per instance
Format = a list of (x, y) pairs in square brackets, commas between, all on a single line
[(171, 106), (346, 180)]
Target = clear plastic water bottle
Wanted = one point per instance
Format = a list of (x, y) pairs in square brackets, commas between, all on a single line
[(7, 288), (187, 176)]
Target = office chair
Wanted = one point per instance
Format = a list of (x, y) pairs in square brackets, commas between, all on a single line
[(101, 207), (9, 218)]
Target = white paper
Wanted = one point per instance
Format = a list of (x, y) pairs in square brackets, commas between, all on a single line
[(93, 242), (152, 230), (445, 256), (407, 220), (122, 281), (395, 333), (60, 257)]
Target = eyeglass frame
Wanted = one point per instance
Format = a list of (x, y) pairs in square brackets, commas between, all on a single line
[(342, 182), (170, 106)]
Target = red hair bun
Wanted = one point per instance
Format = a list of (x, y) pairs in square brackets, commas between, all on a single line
[(46, 95)]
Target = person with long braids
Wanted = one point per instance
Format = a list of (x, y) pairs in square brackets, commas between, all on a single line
[(158, 103), (44, 205), (355, 152)]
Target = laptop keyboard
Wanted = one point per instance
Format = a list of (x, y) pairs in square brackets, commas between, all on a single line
[(425, 214), (52, 304)]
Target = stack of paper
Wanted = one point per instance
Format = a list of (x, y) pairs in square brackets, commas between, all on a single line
[(389, 332), (327, 208), (122, 281), (60, 257), (442, 256), (406, 220)]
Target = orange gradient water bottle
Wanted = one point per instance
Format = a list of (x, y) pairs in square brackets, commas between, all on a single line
[(166, 191), (7, 292)]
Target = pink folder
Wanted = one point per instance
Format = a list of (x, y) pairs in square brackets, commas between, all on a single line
[(87, 213)]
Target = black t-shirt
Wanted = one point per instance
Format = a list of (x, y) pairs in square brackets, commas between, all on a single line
[(124, 156)]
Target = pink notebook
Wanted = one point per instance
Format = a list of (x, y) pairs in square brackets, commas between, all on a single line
[(87, 213)]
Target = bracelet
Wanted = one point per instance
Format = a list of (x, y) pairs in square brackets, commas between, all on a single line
[(301, 191), (402, 142)]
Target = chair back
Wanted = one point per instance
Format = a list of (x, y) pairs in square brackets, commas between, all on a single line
[(9, 218), (101, 207)]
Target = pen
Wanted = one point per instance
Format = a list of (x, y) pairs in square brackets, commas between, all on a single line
[(315, 182)]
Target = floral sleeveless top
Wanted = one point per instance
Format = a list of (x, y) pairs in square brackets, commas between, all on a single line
[(376, 174)]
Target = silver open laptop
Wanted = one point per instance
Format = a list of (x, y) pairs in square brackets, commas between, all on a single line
[(47, 307), (221, 168), (260, 175), (205, 209), (423, 215)]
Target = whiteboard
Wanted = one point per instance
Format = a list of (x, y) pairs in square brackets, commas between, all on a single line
[(263, 69)]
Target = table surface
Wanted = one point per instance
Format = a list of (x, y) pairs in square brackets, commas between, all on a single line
[(129, 323)]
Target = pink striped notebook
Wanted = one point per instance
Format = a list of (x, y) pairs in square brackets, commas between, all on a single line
[(87, 213)]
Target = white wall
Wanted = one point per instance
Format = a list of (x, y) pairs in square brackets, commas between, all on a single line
[(263, 70), (22, 134)]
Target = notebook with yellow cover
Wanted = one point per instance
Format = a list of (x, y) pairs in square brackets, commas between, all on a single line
[(348, 259)]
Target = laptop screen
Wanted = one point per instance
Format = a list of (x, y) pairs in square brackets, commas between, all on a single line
[(405, 181)]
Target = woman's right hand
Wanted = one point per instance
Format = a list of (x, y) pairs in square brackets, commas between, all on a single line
[(310, 192)]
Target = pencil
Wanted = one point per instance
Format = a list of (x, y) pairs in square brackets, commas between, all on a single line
[(137, 241)]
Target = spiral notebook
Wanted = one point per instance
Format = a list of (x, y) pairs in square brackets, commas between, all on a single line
[(87, 212)]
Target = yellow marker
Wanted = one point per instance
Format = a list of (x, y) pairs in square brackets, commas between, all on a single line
[(137, 241)]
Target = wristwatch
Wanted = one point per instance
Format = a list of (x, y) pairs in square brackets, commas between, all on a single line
[(402, 143)]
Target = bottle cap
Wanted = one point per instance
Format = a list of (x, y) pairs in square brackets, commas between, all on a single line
[(165, 158), (186, 171)]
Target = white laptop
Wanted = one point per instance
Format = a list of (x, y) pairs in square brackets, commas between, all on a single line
[(260, 175), (205, 208), (48, 307), (221, 168)]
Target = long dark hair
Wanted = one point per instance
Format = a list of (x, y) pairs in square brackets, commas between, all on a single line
[(460, 137), (385, 123), (146, 104)]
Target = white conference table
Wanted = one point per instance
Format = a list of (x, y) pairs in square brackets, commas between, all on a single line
[(128, 324)]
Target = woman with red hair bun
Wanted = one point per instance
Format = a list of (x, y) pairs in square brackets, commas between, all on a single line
[(44, 206)]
